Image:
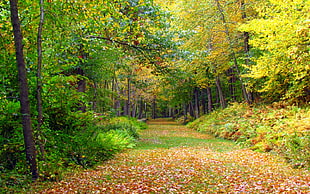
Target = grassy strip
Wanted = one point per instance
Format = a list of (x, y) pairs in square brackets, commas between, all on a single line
[(163, 134)]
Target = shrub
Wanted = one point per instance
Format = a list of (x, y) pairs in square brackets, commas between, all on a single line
[(277, 128)]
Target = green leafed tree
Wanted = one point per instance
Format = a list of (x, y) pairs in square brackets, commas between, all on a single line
[(24, 94)]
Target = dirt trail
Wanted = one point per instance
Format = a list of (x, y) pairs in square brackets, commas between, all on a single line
[(173, 159)]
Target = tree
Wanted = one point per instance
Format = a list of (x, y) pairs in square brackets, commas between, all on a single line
[(24, 95), (39, 80), (280, 40), (231, 46)]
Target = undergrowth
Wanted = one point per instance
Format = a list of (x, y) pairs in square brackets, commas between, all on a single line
[(90, 141), (277, 128)]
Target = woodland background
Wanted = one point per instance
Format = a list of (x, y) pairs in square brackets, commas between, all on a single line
[(94, 66)]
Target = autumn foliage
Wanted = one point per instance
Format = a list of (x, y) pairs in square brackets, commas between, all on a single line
[(279, 129)]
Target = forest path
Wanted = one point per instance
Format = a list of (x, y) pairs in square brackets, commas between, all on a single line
[(171, 158)]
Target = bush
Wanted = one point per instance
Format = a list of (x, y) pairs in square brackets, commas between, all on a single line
[(98, 144), (129, 120), (185, 119), (273, 128), (84, 141), (89, 146)]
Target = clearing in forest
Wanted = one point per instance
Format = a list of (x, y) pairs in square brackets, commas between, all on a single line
[(171, 158)]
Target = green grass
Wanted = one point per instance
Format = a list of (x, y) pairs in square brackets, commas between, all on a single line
[(219, 145), (167, 136)]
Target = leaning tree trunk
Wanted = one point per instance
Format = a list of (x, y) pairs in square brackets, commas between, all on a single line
[(236, 67), (24, 95)]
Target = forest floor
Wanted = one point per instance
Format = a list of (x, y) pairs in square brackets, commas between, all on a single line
[(171, 158)]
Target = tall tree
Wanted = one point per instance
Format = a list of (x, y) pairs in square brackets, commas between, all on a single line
[(39, 80), (232, 52), (24, 94)]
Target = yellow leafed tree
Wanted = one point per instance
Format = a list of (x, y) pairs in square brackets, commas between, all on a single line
[(281, 40)]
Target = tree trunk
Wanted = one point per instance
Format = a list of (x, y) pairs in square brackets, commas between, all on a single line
[(220, 92), (145, 109), (196, 108), (117, 104), (203, 101), (39, 83), (134, 107), (95, 98), (154, 108), (140, 110), (170, 110), (127, 102), (24, 95), (81, 88), (191, 109), (209, 96), (185, 112), (246, 36), (232, 84)]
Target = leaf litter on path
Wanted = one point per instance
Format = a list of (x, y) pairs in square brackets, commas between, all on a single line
[(192, 167)]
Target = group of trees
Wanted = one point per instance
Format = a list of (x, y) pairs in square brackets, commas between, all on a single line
[(74, 58), (145, 58), (240, 50)]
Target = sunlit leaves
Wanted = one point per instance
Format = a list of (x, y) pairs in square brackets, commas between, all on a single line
[(280, 33)]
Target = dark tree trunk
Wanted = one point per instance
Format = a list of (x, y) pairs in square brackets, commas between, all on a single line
[(140, 114), (220, 92), (145, 109), (171, 112), (185, 112), (127, 102), (232, 84), (191, 109), (203, 101), (95, 98), (134, 108), (246, 36), (196, 108), (24, 95), (117, 103), (154, 108), (209, 96), (81, 88)]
